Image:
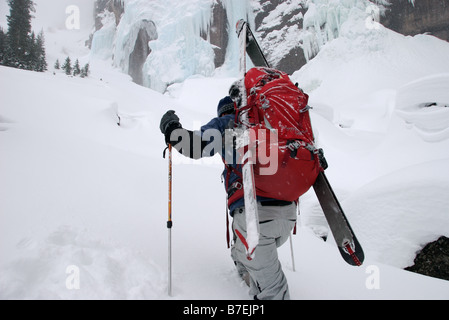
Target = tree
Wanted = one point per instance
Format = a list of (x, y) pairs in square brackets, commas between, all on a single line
[(67, 66), (19, 32), (76, 68), (39, 47), (31, 57), (57, 65), (85, 71), (19, 47), (3, 46)]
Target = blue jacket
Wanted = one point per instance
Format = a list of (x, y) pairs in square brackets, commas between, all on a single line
[(233, 171), (230, 176)]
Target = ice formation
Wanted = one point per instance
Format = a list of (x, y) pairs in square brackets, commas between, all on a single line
[(179, 33)]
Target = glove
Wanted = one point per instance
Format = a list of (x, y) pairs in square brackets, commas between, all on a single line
[(169, 122)]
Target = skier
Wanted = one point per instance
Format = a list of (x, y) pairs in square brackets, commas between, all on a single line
[(277, 218)]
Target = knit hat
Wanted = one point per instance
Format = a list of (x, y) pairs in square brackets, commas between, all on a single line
[(226, 105)]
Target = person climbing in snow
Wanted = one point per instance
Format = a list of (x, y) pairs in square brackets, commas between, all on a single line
[(277, 218)]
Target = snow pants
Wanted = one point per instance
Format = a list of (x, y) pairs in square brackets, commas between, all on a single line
[(266, 278)]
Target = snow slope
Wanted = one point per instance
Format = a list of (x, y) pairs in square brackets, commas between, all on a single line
[(82, 196), (81, 191), (374, 84)]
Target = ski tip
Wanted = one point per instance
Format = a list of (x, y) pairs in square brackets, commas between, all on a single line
[(239, 26)]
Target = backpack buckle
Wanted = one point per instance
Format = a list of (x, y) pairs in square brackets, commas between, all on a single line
[(236, 186), (264, 102), (294, 145), (305, 109)]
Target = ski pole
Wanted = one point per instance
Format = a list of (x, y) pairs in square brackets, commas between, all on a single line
[(293, 257), (291, 238), (169, 222)]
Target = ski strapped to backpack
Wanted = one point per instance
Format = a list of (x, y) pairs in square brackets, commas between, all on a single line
[(286, 162), (345, 238), (245, 139)]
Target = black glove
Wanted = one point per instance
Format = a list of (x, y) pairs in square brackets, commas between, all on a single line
[(169, 122)]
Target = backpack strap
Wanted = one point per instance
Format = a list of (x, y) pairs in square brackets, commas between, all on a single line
[(234, 190), (228, 236), (235, 187), (231, 191)]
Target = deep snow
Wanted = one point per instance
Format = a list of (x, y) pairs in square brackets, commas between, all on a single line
[(84, 196)]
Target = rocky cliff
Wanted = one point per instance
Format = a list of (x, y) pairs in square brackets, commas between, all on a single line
[(290, 32), (419, 16), (279, 24), (433, 259)]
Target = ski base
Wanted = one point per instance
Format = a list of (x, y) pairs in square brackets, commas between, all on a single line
[(348, 245)]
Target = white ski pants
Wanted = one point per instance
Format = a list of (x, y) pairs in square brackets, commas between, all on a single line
[(267, 280)]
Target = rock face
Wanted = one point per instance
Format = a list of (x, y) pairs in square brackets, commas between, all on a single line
[(271, 28), (274, 29), (424, 16), (219, 33), (280, 26), (141, 51), (112, 6), (100, 7), (433, 259)]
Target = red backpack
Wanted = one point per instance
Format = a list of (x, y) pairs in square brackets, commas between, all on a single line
[(275, 103)]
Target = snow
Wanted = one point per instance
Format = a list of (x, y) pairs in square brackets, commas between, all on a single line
[(375, 85), (84, 201), (422, 104)]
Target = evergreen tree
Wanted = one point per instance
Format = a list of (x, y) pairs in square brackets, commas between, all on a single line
[(57, 65), (31, 57), (19, 33), (76, 68), (41, 60), (3, 43), (67, 66), (85, 71)]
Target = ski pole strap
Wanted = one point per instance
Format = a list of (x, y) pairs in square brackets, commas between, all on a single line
[(165, 152)]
